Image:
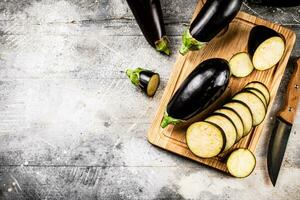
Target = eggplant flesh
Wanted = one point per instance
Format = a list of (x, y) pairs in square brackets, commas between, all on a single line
[(214, 16), (148, 81), (201, 88), (148, 14)]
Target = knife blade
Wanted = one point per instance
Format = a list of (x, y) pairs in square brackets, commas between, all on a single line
[(283, 125)]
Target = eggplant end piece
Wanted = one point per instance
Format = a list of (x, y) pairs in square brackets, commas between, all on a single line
[(169, 120), (189, 43), (163, 46)]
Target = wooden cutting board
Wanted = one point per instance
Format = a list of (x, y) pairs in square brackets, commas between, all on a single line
[(225, 45)]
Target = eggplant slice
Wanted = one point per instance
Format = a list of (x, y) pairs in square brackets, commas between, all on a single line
[(259, 94), (241, 163), (244, 112), (256, 106), (227, 126), (261, 87), (235, 118), (205, 139), (241, 64)]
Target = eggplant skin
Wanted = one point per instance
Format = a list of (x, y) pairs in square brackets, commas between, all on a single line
[(258, 35), (202, 87), (214, 16)]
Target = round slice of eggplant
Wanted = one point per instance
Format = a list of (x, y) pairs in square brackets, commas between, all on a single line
[(241, 65), (268, 53), (205, 139), (258, 93), (244, 112), (256, 106), (235, 118), (241, 163), (261, 87), (227, 126)]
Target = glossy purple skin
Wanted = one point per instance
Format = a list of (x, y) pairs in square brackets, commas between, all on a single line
[(148, 15), (214, 16), (201, 88)]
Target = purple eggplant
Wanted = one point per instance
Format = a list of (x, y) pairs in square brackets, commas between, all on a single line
[(201, 88), (214, 16), (144, 79), (148, 15)]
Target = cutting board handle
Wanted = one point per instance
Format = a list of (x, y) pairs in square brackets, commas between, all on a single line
[(288, 112)]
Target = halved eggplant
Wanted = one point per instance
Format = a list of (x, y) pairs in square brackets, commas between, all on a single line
[(227, 126), (258, 93), (235, 118), (205, 139), (256, 105), (265, 46), (244, 112), (214, 16), (241, 64), (201, 88), (241, 163), (261, 87), (146, 80)]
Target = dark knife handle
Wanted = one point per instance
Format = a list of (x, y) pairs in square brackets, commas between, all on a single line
[(288, 112)]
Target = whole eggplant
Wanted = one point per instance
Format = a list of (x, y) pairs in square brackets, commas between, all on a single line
[(201, 88), (214, 16), (148, 15), (276, 3)]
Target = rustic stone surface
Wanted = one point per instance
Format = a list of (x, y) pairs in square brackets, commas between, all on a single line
[(73, 127)]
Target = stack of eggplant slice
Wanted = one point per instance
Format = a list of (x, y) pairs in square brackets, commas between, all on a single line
[(214, 16), (227, 125), (148, 14)]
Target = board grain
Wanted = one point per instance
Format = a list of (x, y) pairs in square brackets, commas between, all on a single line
[(225, 45)]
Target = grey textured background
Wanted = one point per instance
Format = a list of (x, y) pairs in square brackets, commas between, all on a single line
[(73, 127)]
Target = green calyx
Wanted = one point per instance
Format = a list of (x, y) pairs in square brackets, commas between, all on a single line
[(189, 43), (134, 75), (162, 45), (169, 120)]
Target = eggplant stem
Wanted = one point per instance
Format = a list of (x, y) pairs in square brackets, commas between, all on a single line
[(162, 45), (189, 43), (169, 120), (134, 75)]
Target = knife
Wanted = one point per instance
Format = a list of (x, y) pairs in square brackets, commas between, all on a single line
[(283, 125)]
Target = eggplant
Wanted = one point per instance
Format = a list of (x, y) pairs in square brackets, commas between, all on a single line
[(148, 14), (265, 47), (148, 81), (201, 88), (276, 3), (214, 16)]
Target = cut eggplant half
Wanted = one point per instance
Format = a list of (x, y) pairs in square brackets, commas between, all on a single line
[(227, 126), (244, 112), (146, 80), (268, 53), (259, 94), (241, 65), (261, 87), (205, 139), (241, 163), (256, 106), (235, 118)]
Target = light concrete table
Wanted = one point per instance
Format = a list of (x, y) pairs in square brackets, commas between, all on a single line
[(73, 127)]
